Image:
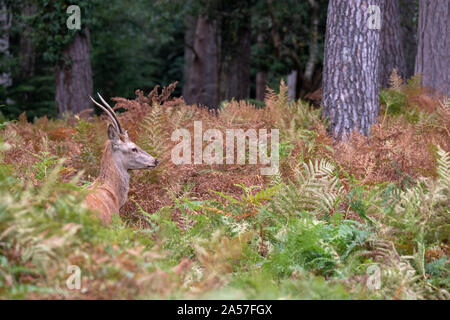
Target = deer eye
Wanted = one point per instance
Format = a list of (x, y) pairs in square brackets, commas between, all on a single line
[(134, 150)]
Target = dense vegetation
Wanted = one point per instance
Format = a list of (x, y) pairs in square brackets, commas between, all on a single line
[(335, 215), (360, 206), (136, 45)]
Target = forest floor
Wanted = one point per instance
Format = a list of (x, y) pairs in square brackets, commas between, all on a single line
[(363, 219)]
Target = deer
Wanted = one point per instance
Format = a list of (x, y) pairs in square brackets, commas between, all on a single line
[(120, 156)]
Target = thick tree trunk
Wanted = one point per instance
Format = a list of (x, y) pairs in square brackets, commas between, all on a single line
[(351, 63), (235, 77), (202, 83), (219, 66), (392, 54), (433, 52), (5, 24), (74, 81)]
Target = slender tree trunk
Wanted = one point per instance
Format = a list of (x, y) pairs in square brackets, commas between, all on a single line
[(74, 81), (314, 41), (261, 82), (392, 54), (351, 63), (292, 85), (307, 83), (202, 83), (408, 10), (433, 52), (189, 54), (5, 24), (261, 76)]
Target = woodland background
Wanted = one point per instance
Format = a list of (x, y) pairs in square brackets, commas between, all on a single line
[(217, 50), (365, 217)]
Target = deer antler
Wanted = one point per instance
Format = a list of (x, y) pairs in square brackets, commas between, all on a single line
[(109, 111), (113, 113)]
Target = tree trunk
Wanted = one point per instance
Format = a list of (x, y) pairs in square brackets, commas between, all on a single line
[(313, 42), (261, 76), (235, 77), (433, 52), (306, 83), (261, 82), (351, 63), (392, 54), (27, 53), (189, 55), (5, 24), (74, 80), (292, 85), (202, 83), (408, 10)]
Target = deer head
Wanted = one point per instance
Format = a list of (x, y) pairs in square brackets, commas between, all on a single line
[(126, 154)]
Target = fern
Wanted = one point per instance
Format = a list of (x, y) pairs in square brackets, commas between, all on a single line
[(315, 189), (181, 115), (420, 215), (395, 81), (417, 206), (26, 218), (91, 145), (46, 161), (399, 280), (414, 82), (154, 131), (257, 199), (443, 169)]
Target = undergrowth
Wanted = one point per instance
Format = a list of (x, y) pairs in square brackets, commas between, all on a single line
[(364, 219)]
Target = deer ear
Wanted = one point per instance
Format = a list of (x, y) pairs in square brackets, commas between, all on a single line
[(113, 135)]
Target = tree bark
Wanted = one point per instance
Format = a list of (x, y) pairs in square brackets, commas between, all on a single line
[(261, 76), (292, 85), (202, 83), (351, 64), (27, 52), (313, 41), (261, 82), (392, 54), (5, 24), (189, 51), (409, 34), (308, 83), (235, 76), (306, 73), (433, 52), (74, 80)]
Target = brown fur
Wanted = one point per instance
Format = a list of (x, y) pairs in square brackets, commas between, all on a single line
[(110, 188)]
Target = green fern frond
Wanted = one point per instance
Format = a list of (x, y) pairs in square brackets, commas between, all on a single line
[(443, 169), (395, 81), (262, 195), (415, 82), (315, 189), (399, 279)]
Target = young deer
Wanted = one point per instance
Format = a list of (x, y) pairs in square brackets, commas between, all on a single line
[(120, 156)]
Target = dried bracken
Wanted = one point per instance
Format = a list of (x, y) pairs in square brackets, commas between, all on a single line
[(191, 227)]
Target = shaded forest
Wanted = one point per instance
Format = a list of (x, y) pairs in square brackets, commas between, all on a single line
[(352, 96)]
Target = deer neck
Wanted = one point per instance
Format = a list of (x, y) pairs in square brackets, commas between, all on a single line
[(114, 176)]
